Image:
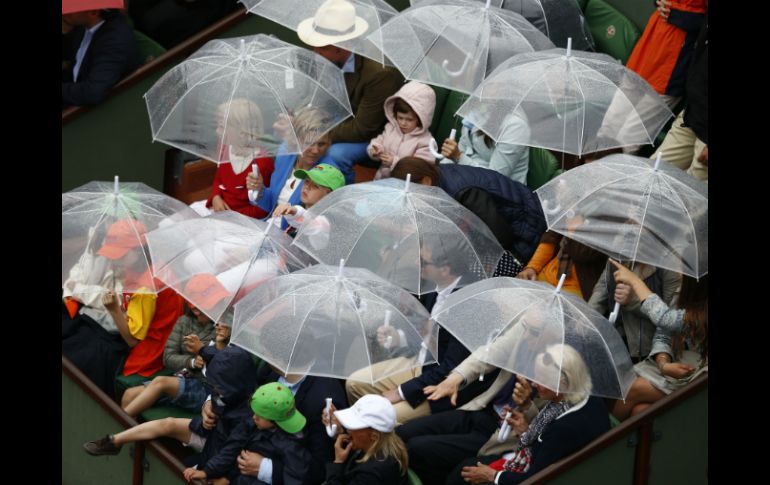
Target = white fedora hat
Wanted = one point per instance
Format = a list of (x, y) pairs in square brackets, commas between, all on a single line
[(334, 21)]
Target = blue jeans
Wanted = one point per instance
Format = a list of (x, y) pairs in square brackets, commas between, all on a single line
[(345, 155), (191, 396)]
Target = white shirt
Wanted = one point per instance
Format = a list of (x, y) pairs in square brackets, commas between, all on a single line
[(350, 64), (286, 192), (89, 34)]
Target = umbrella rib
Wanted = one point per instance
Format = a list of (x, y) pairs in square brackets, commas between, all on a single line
[(646, 198), (582, 115), (143, 251), (424, 52), (360, 323), (603, 341), (689, 219), (617, 87), (184, 95), (302, 325)]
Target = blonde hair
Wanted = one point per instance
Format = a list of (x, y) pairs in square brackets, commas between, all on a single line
[(387, 445), (309, 122), (243, 114), (575, 380)]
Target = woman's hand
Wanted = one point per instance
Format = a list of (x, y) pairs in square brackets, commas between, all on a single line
[(218, 204), (522, 393), (480, 473), (629, 282), (342, 448), (449, 149), (447, 387), (527, 274), (192, 343), (325, 419), (676, 370), (664, 8), (192, 473), (623, 293), (110, 301), (518, 422)]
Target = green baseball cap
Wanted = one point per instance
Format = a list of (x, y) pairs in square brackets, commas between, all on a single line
[(324, 175), (275, 402)]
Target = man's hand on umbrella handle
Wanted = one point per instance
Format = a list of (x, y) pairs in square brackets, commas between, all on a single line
[(449, 149), (704, 156), (384, 332), (282, 126), (218, 204), (527, 274), (254, 182), (448, 387), (518, 422), (626, 277), (664, 8), (623, 293)]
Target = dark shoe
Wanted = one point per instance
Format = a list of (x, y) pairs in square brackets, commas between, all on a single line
[(103, 446)]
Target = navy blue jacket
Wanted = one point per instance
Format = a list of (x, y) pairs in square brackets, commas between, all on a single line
[(112, 54), (310, 401), (510, 209), (563, 437), (230, 373), (450, 353), (288, 452)]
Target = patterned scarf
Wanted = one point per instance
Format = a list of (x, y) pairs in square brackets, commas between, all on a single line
[(521, 461)]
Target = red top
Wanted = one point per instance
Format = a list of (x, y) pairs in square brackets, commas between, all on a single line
[(232, 187)]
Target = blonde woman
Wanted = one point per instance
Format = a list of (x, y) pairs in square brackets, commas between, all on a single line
[(367, 450), (284, 186)]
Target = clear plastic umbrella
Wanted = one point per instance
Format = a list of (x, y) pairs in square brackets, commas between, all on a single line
[(292, 13), (455, 43), (231, 92), (575, 102), (239, 251), (507, 322), (633, 209), (389, 226), (103, 226), (323, 321), (557, 19)]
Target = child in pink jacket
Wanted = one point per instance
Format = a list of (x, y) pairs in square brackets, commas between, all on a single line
[(406, 134)]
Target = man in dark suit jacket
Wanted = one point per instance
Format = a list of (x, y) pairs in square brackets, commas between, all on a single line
[(111, 54), (406, 389)]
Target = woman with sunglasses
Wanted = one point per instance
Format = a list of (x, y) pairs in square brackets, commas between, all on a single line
[(571, 419)]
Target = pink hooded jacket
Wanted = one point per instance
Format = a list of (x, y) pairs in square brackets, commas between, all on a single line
[(422, 99)]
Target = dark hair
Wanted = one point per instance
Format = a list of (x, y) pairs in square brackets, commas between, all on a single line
[(694, 300), (488, 141), (419, 169), (401, 106)]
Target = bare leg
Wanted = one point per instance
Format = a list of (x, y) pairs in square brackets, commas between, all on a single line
[(641, 392), (159, 386), (639, 408), (130, 395), (177, 428)]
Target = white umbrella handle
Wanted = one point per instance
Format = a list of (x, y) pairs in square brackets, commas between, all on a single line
[(505, 429), (254, 193), (614, 314), (459, 72), (331, 429), (433, 146), (389, 341)]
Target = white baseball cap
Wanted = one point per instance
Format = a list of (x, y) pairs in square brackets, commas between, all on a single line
[(371, 411)]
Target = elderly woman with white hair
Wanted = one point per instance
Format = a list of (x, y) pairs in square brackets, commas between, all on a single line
[(568, 422)]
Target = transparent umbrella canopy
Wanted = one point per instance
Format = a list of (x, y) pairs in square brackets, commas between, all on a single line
[(575, 102), (292, 13), (400, 231), (323, 321), (633, 209), (455, 43), (231, 92), (557, 19), (114, 214), (507, 322), (239, 251)]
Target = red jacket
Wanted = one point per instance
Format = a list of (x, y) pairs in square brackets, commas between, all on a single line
[(232, 187)]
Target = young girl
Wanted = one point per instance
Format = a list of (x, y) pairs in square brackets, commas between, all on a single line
[(239, 129), (409, 113)]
